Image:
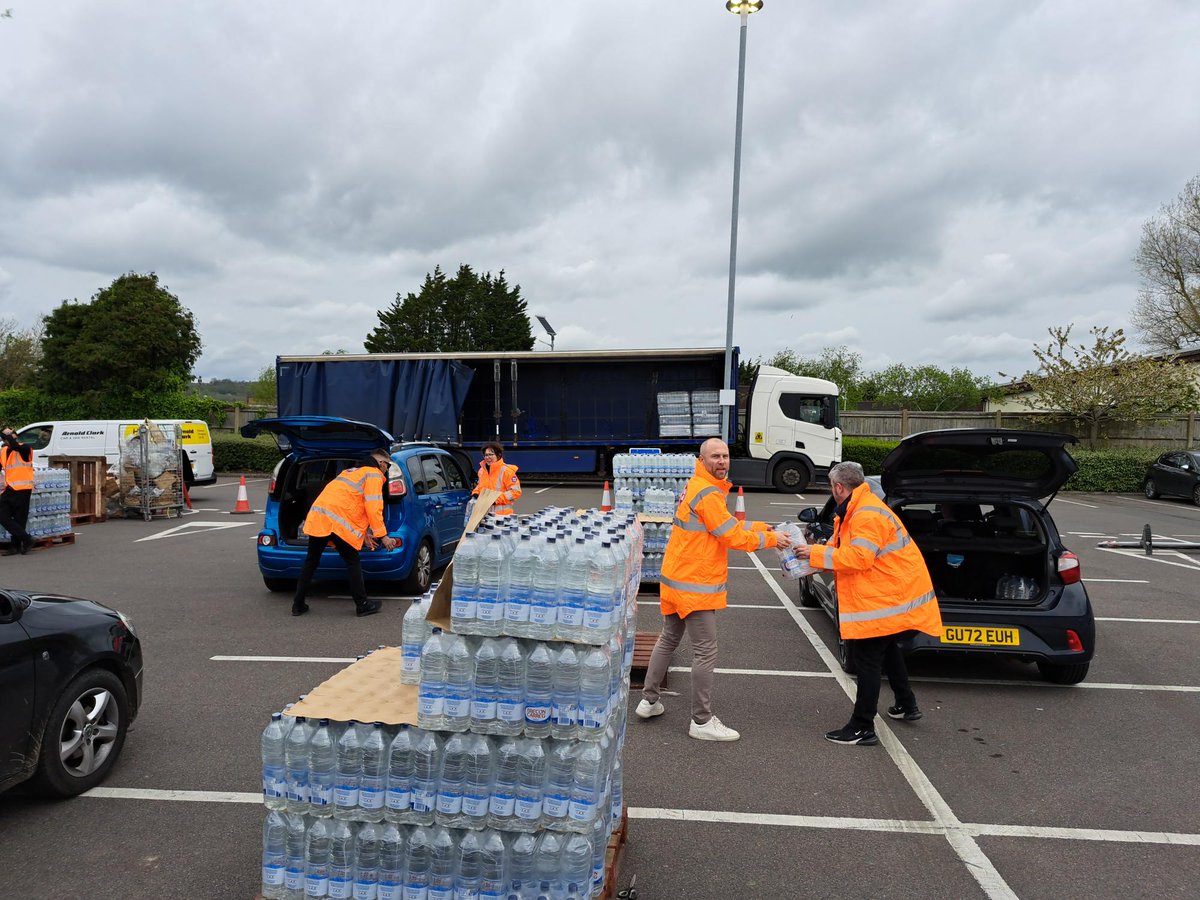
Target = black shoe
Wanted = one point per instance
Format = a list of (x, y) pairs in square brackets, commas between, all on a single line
[(908, 715), (864, 736), (13, 550), (26, 545), (369, 608), (299, 610)]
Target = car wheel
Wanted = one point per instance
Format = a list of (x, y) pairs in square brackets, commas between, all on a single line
[(421, 575), (846, 656), (791, 477), (280, 585), (1072, 673), (1151, 489), (808, 597), (1196, 495), (85, 734)]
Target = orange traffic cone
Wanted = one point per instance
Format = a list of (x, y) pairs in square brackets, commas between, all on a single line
[(243, 500), (606, 500), (739, 508)]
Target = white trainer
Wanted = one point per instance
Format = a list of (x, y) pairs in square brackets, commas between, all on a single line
[(648, 710), (712, 730)]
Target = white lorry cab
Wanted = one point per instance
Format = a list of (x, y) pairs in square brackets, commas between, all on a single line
[(103, 437)]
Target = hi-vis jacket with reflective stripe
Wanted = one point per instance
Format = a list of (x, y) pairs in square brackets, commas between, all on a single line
[(18, 472), (502, 477), (883, 586), (696, 565), (347, 505)]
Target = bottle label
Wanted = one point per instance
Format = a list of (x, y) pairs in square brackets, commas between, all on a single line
[(542, 615), (449, 804), (593, 715), (274, 782), (297, 785), (316, 886), (458, 707), (423, 800), (502, 805), (483, 710), (293, 880), (441, 892), (430, 706), (492, 890), (390, 891), (370, 798), (596, 620), (341, 888), (411, 664), (529, 808), (466, 893), (463, 610), (365, 890), (516, 611), (489, 611), (565, 713), (272, 875), (475, 805), (508, 711), (416, 892), (398, 797), (555, 806), (570, 616), (583, 809), (345, 796), (537, 713), (320, 795)]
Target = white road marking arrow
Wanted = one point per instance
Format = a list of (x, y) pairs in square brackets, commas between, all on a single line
[(192, 528)]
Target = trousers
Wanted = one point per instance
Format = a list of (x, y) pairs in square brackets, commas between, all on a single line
[(701, 628), (14, 514), (873, 657), (316, 546)]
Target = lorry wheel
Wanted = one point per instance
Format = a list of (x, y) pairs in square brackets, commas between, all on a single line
[(421, 575), (791, 477)]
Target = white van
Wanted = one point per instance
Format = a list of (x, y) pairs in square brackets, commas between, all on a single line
[(99, 437)]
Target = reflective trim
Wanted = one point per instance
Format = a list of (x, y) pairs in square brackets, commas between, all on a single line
[(350, 481), (336, 518), (866, 545), (762, 539), (725, 527), (898, 544), (692, 587), (887, 612), (695, 501), (689, 525), (373, 497)]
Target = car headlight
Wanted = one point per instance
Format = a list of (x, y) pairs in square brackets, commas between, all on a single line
[(127, 622)]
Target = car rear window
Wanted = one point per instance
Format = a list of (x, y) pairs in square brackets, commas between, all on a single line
[(1015, 463)]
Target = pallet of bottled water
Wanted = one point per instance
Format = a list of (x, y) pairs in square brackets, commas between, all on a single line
[(49, 505), (651, 484)]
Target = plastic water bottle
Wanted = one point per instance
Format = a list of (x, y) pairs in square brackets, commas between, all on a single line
[(366, 863), (468, 866), (479, 772), (519, 587), (295, 751), (274, 766), (341, 861), (391, 863), (572, 591), (502, 806), (603, 584), (413, 631), (564, 725), (456, 711), (589, 782), (417, 850), (427, 763), (539, 688), (443, 852), (522, 866), (373, 783), (348, 774), (493, 871), (510, 688), (397, 802), (293, 876), (493, 583), (548, 863), (531, 784), (560, 778), (595, 682), (465, 594), (431, 695), (485, 687), (274, 858), (599, 835), (448, 808), (543, 603), (322, 769), (316, 858), (576, 864)]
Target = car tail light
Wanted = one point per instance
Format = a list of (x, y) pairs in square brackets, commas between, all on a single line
[(1074, 644), (266, 540), (1068, 568)]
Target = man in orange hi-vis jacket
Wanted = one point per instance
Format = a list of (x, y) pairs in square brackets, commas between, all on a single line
[(692, 587), (347, 513), (883, 589)]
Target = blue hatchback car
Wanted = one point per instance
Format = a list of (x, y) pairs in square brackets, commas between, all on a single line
[(424, 505)]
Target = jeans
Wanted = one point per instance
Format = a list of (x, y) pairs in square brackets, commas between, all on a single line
[(872, 657), (316, 546)]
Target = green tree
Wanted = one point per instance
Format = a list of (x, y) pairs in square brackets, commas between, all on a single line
[(262, 390), (927, 387), (1167, 313), (1105, 382), (133, 339), (20, 354), (839, 364), (469, 312)]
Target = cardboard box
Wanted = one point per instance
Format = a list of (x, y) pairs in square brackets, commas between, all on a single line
[(439, 609), (368, 690)]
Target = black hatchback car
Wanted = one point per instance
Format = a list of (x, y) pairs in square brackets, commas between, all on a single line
[(70, 686), (976, 503), (1174, 474)]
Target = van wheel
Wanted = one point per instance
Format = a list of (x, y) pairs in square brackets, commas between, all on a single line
[(421, 575), (791, 477), (1068, 674), (84, 735), (280, 585)]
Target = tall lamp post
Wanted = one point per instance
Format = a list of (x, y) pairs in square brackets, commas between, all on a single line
[(550, 331), (742, 9)]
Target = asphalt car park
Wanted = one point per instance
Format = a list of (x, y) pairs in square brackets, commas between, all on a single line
[(1009, 786)]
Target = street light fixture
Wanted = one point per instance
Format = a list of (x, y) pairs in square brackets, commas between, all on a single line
[(550, 331), (742, 9)]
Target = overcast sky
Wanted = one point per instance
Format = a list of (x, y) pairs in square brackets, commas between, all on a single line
[(933, 181)]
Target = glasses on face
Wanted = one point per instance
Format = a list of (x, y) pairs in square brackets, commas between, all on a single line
[(489, 455)]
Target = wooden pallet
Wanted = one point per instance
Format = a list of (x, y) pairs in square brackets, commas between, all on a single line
[(614, 856), (58, 540), (643, 647), (86, 519), (87, 484)]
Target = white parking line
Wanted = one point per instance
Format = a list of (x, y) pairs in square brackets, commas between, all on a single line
[(1138, 554), (729, 606), (1075, 503), (1115, 581), (340, 660), (543, 490), (113, 793), (977, 862), (1151, 621), (773, 672)]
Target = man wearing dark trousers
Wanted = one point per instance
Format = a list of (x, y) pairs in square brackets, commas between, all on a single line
[(884, 591), (347, 513), (16, 459)]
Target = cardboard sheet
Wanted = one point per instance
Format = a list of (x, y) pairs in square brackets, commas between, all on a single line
[(439, 609), (368, 690)]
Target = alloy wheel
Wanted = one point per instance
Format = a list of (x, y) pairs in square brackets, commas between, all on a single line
[(89, 731)]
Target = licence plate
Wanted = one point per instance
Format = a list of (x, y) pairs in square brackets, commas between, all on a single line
[(995, 637)]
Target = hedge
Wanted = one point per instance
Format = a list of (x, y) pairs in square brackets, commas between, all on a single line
[(235, 454), (1100, 471)]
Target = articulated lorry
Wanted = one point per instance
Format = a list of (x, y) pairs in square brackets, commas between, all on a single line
[(570, 413)]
